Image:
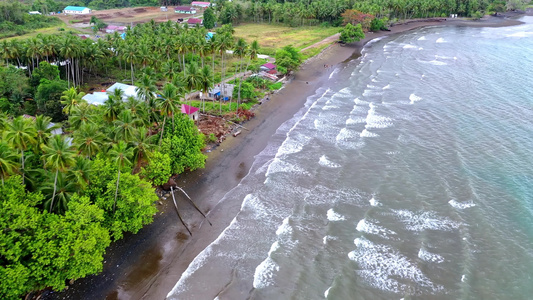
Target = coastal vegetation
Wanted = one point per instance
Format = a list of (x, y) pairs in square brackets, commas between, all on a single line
[(75, 177)]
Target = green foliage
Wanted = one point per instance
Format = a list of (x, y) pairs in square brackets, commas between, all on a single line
[(48, 98), (159, 169), (351, 33), (39, 249), (15, 20), (13, 86), (184, 144), (247, 90), (44, 71), (209, 18), (288, 58), (377, 24)]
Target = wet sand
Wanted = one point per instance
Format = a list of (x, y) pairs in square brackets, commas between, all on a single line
[(148, 265)]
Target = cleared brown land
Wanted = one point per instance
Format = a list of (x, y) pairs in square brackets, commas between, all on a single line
[(130, 15)]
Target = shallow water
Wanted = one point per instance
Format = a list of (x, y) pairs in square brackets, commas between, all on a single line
[(407, 175)]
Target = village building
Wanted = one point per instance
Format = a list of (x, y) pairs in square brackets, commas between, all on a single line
[(269, 68), (76, 10), (34, 13), (194, 22), (115, 28), (201, 4), (185, 10), (191, 111), (98, 98)]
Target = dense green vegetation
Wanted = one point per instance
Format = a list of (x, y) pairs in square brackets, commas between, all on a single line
[(15, 20)]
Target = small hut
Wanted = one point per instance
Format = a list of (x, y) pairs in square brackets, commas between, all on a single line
[(191, 111)]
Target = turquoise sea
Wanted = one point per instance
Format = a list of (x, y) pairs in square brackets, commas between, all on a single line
[(407, 175)]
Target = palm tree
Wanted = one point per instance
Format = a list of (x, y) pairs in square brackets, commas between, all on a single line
[(8, 161), (59, 156), (205, 83), (89, 139), (138, 109), (79, 173), (62, 190), (113, 105), (122, 155), (43, 130), (143, 144), (130, 55), (146, 88), (20, 134), (169, 105), (81, 115), (240, 51), (192, 79), (125, 126), (71, 98)]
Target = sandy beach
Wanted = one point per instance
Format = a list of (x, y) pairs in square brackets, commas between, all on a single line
[(148, 265)]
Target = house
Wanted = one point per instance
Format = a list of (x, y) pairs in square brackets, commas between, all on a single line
[(191, 111), (201, 4), (34, 13), (164, 8), (214, 93), (98, 98), (114, 28), (185, 10), (76, 10), (194, 22), (268, 67)]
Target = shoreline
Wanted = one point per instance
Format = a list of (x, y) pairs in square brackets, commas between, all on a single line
[(148, 265)]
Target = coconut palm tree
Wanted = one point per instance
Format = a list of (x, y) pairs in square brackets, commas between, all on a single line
[(89, 140), (61, 190), (43, 130), (8, 161), (81, 115), (143, 144), (168, 105), (240, 50), (80, 172), (126, 126), (192, 79), (113, 105), (71, 98), (20, 134), (59, 156), (205, 83), (122, 155)]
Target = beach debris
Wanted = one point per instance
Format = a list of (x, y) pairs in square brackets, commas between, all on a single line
[(178, 211), (190, 200), (236, 133)]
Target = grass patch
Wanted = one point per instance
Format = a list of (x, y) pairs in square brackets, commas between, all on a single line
[(313, 51), (271, 37), (44, 31)]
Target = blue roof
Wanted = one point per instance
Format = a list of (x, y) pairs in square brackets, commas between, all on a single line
[(77, 8)]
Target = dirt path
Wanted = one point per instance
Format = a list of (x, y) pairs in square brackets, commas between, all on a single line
[(328, 40)]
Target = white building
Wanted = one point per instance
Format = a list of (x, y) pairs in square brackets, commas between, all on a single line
[(76, 10)]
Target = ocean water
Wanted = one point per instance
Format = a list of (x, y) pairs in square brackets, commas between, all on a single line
[(408, 175)]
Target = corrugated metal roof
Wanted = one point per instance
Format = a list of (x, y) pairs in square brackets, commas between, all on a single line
[(76, 8)]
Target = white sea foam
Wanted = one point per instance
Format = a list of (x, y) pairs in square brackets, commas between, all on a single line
[(435, 62), (371, 92), (384, 268), (427, 256), (409, 47), (371, 228), (289, 146), (414, 98), (333, 73), (366, 133), (360, 102), (324, 161), (346, 134), (521, 34), (461, 205), (285, 228), (333, 216), (386, 87), (264, 273), (326, 293), (275, 246), (422, 38), (440, 40), (421, 221), (463, 278), (352, 121), (327, 238), (374, 202), (373, 120), (280, 166)]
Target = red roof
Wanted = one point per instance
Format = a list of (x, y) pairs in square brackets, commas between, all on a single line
[(194, 21), (187, 109), (184, 8), (200, 3), (269, 65)]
